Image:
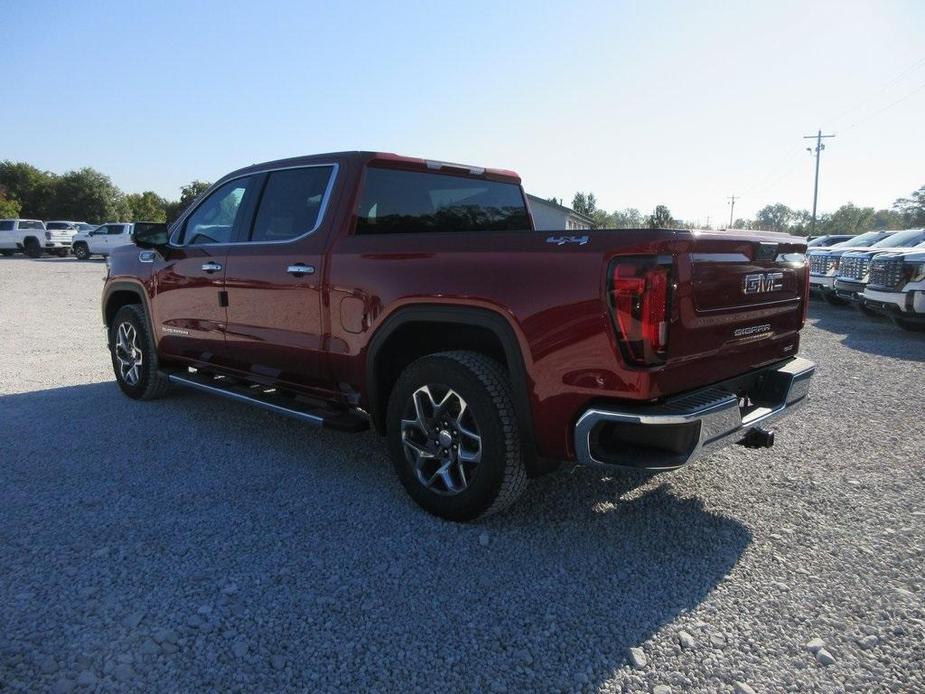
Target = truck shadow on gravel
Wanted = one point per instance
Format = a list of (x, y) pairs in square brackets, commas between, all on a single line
[(254, 539), (869, 334)]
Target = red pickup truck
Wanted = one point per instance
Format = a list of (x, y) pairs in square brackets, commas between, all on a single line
[(360, 288)]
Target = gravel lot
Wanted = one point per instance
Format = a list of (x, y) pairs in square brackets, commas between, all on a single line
[(194, 543)]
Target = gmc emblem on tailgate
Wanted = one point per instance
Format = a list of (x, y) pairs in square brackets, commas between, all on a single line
[(761, 282)]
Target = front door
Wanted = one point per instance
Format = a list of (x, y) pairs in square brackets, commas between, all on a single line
[(189, 304), (275, 329)]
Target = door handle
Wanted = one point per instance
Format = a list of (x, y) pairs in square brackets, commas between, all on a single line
[(211, 267), (300, 269)]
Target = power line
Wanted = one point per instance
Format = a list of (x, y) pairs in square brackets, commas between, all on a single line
[(887, 107), (819, 147), (885, 87)]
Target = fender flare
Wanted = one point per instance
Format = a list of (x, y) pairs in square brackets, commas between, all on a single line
[(135, 288), (491, 320)]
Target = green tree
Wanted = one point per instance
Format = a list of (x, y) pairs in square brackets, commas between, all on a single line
[(628, 218), (912, 208), (774, 217), (8, 207), (146, 207), (555, 201), (86, 195), (31, 188), (660, 218), (847, 219), (188, 194), (584, 203), (888, 219)]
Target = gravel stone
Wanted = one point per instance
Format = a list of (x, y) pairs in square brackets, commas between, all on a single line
[(483, 538), (824, 657), (638, 658), (742, 688), (686, 640), (815, 645), (304, 545), (86, 679)]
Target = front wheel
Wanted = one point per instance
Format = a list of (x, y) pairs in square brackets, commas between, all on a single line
[(453, 437), (134, 356), (833, 300), (81, 251)]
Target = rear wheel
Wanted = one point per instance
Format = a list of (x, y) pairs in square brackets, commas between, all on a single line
[(134, 356), (81, 251), (33, 248), (453, 436)]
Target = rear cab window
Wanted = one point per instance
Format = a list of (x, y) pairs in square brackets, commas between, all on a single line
[(31, 225), (397, 201), (6, 225)]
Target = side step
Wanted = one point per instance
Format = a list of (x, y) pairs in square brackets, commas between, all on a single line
[(270, 399)]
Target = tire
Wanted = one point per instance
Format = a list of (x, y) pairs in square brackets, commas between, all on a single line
[(81, 251), (477, 446), (867, 311), (33, 248), (909, 325), (834, 300), (130, 344)]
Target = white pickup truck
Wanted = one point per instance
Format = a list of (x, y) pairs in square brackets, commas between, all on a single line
[(30, 236), (102, 239)]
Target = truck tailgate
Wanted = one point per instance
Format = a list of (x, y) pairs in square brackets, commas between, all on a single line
[(736, 290)]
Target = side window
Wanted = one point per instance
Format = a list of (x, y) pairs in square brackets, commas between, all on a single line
[(291, 203), (214, 220), (401, 202), (113, 229), (7, 225)]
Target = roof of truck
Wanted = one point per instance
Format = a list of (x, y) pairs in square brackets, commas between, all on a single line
[(381, 158)]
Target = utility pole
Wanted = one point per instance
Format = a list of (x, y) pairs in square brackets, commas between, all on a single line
[(732, 206), (818, 137)]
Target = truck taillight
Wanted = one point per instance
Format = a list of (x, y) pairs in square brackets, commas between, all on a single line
[(639, 300), (805, 293)]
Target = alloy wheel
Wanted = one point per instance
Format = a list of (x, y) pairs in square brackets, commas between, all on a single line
[(128, 353), (441, 439)]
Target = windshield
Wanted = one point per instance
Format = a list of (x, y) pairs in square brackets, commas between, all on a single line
[(902, 238), (865, 239)]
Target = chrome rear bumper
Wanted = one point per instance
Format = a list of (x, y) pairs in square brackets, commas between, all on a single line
[(678, 431)]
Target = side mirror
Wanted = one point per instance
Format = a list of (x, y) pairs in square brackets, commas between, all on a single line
[(150, 235)]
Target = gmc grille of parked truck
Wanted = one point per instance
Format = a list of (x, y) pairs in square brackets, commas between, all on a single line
[(359, 288)]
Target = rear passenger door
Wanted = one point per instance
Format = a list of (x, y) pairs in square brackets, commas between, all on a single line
[(276, 330)]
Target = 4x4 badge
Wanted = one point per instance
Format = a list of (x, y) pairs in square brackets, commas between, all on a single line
[(562, 240)]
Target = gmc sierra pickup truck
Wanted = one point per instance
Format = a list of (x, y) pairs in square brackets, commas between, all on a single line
[(364, 289)]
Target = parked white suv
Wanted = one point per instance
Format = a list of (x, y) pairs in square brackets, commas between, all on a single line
[(102, 239), (63, 233)]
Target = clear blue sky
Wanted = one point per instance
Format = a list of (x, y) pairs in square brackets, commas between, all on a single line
[(642, 103)]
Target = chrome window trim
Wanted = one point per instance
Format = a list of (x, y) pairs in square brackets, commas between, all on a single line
[(181, 222)]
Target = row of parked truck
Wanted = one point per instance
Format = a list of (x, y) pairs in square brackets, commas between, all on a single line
[(34, 237), (880, 272)]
